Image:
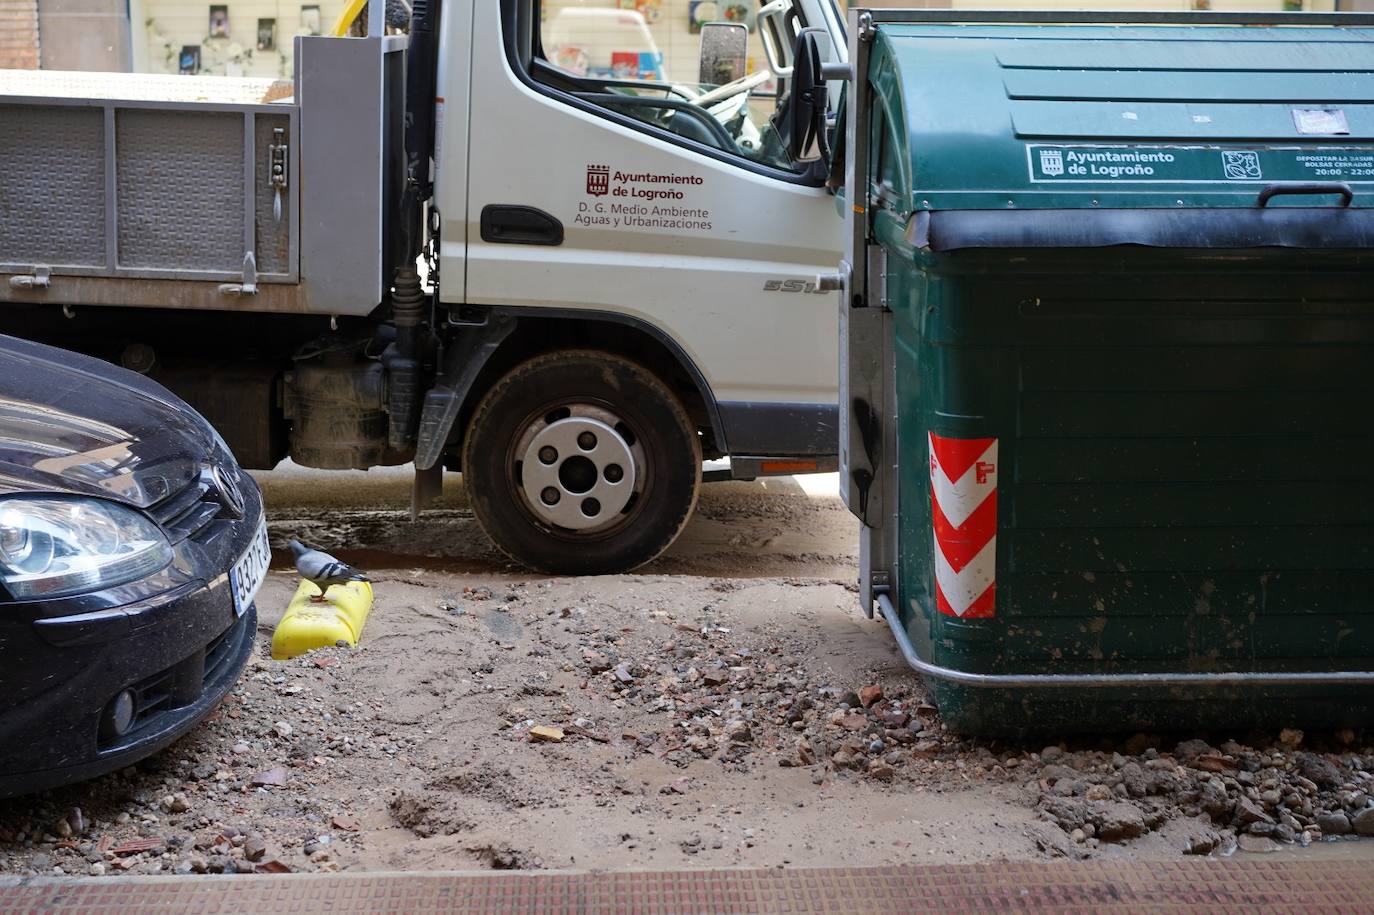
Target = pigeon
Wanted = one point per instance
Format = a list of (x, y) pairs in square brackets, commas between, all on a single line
[(321, 569)]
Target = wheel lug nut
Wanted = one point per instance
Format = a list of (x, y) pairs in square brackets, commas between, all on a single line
[(586, 441), (549, 495), (614, 473), (548, 454)]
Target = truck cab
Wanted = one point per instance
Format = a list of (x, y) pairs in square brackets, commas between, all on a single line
[(568, 249)]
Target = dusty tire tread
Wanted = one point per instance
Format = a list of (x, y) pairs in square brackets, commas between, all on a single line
[(513, 386)]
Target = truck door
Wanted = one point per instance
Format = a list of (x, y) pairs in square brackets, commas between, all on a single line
[(606, 176)]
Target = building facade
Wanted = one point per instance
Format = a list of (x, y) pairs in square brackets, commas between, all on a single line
[(254, 37)]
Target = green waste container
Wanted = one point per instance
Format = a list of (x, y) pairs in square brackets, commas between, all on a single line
[(1108, 361)]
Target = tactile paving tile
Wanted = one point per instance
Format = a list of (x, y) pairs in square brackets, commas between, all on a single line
[(1295, 886)]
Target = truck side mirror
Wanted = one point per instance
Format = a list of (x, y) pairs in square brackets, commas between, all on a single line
[(724, 50), (809, 103)]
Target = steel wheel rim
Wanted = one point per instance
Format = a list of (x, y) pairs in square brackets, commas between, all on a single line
[(578, 468)]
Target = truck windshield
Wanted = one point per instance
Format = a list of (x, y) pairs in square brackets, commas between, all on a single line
[(640, 62)]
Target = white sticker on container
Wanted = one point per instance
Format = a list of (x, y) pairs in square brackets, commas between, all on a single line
[(1321, 121)]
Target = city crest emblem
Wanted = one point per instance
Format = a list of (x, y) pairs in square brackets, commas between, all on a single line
[(1051, 162)]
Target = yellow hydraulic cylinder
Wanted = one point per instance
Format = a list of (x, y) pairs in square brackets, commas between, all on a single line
[(310, 623)]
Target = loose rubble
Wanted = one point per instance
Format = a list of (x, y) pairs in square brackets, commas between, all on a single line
[(637, 721)]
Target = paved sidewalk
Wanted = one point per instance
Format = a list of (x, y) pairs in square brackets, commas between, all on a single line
[(1297, 886)]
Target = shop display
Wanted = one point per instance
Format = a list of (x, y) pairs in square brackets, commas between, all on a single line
[(219, 21), (188, 61)]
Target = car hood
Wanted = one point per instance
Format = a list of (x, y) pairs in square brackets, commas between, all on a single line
[(73, 424)]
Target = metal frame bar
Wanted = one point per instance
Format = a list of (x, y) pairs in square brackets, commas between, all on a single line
[(868, 427), (111, 193), (250, 187), (1080, 681), (1115, 17)]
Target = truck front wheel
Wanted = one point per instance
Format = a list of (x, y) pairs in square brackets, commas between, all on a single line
[(581, 462)]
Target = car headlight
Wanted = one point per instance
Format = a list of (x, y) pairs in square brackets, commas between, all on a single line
[(55, 546)]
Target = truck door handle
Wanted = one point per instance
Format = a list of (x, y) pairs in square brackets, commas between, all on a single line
[(509, 224)]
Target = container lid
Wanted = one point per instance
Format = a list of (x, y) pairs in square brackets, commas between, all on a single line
[(1183, 117)]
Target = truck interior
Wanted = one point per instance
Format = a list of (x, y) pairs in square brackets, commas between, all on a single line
[(731, 91)]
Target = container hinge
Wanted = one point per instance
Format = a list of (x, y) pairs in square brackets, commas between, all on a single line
[(249, 286), (866, 28), (833, 282), (277, 173), (40, 278)]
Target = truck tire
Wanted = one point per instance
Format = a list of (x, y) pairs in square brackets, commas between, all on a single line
[(581, 462)]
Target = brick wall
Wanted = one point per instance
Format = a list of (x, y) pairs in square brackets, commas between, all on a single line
[(19, 34)]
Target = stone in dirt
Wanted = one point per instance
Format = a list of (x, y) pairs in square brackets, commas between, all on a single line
[(1333, 824), (1134, 778), (175, 803), (1257, 844), (1210, 762), (854, 722), (1363, 822), (1319, 769), (254, 848), (1120, 821), (347, 824), (1190, 750), (1291, 738), (543, 733), (895, 718), (1202, 844), (1247, 812), (881, 770), (738, 732), (870, 694), (273, 776)]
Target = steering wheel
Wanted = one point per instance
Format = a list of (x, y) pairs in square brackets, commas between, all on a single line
[(713, 129), (734, 87)]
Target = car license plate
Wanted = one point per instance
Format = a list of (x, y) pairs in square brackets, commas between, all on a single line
[(250, 571)]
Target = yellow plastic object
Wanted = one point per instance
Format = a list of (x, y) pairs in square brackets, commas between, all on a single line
[(350, 12), (309, 623)]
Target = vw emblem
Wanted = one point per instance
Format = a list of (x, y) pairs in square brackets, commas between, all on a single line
[(229, 495)]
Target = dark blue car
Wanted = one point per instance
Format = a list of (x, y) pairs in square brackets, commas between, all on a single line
[(131, 547)]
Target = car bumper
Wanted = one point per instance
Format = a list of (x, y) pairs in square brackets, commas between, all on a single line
[(178, 655)]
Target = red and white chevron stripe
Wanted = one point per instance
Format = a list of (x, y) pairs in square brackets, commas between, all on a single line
[(963, 498)]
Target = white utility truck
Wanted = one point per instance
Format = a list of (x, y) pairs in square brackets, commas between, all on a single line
[(526, 241)]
